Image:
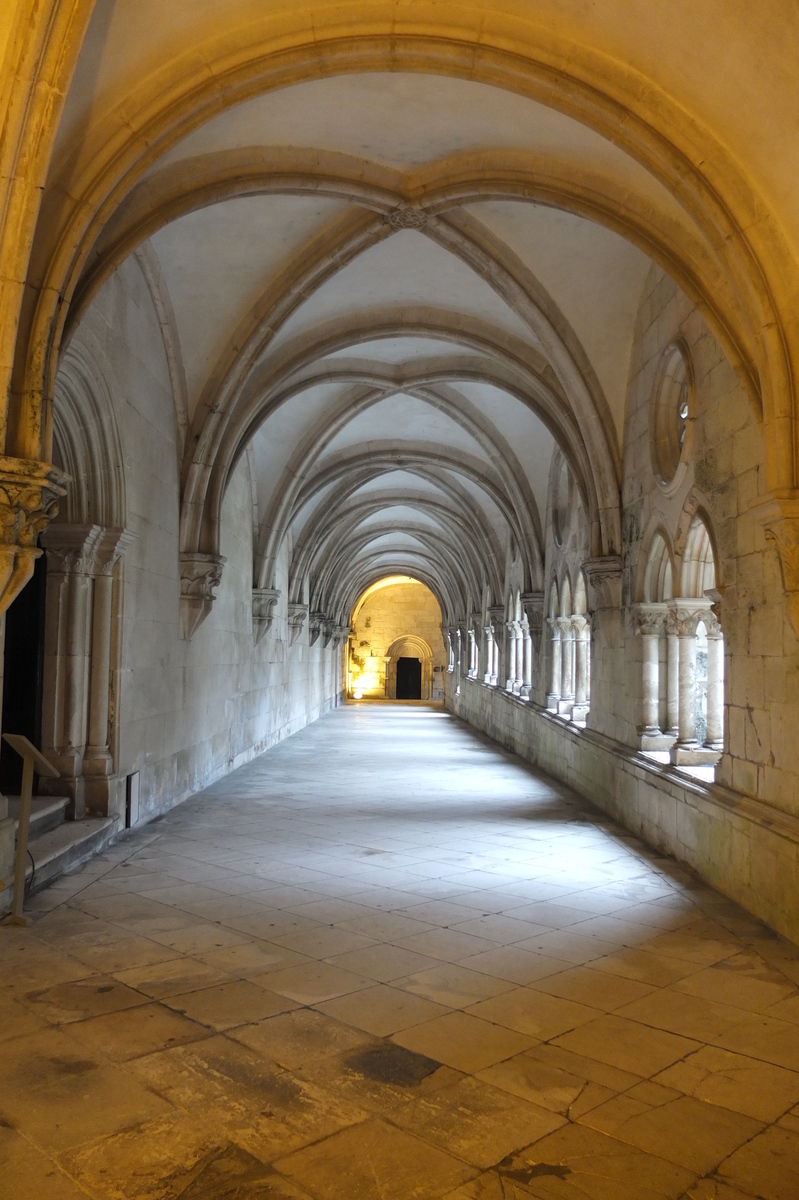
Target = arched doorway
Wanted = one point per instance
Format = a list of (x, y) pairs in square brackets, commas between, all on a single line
[(413, 680)]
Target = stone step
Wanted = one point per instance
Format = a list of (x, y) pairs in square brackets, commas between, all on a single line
[(60, 850), (47, 812)]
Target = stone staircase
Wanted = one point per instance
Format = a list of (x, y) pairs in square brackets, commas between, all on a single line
[(57, 845)]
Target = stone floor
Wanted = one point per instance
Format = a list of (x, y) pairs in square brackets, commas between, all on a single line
[(387, 961)]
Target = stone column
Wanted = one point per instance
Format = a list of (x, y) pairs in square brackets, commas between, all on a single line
[(527, 660), (687, 614), (672, 678), (496, 616), (519, 671), (79, 637), (490, 676), (715, 685), (650, 619), (582, 655), (98, 765), (566, 702), (554, 692), (472, 671), (67, 655), (511, 681)]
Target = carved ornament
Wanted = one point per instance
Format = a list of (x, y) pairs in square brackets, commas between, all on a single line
[(297, 614), (406, 218), (604, 577), (29, 496), (316, 624), (200, 576), (263, 610), (780, 521)]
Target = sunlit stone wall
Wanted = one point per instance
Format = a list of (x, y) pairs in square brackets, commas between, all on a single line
[(387, 616)]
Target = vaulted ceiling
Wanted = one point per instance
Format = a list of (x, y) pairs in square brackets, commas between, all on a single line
[(396, 293)]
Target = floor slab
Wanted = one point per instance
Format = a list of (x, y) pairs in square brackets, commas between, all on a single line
[(388, 959)]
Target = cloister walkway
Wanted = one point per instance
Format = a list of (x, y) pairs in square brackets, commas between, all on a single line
[(388, 961)]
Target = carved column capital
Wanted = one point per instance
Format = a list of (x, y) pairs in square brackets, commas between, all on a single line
[(263, 610), (686, 612), (29, 496), (604, 577), (649, 619), (340, 634), (200, 576)]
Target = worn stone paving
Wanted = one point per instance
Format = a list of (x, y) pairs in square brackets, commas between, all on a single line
[(388, 961)]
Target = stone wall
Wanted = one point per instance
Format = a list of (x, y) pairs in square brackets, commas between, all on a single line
[(740, 833), (188, 711), (388, 615)]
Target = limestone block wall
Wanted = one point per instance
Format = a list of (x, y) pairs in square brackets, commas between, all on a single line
[(388, 614), (187, 712)]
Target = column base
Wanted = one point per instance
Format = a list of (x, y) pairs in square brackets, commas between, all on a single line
[(524, 692), (655, 740), (580, 711), (693, 756), (553, 700), (565, 708), (105, 795)]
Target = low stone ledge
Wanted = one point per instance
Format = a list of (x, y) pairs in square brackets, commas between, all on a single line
[(740, 845)]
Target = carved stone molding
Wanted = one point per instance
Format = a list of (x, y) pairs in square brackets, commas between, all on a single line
[(406, 218), (340, 634), (200, 576), (780, 521), (316, 624), (604, 577), (297, 615), (84, 549), (263, 610), (29, 496), (687, 612), (649, 619)]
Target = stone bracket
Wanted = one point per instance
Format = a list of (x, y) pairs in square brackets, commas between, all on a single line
[(263, 610), (780, 520), (297, 615), (604, 577), (29, 496), (200, 576)]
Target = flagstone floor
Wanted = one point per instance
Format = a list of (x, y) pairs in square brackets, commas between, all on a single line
[(388, 961)]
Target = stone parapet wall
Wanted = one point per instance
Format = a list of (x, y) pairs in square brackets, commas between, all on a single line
[(742, 846)]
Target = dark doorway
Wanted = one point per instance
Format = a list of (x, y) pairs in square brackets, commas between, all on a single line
[(409, 679), (22, 674)]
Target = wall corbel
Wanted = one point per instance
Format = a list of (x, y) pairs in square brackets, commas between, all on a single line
[(200, 576), (263, 610)]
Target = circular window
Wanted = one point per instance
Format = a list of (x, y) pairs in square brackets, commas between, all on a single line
[(563, 501), (671, 417)]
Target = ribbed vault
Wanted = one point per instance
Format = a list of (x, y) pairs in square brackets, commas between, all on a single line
[(391, 323)]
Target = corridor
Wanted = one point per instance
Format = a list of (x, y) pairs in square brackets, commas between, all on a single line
[(388, 961)]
